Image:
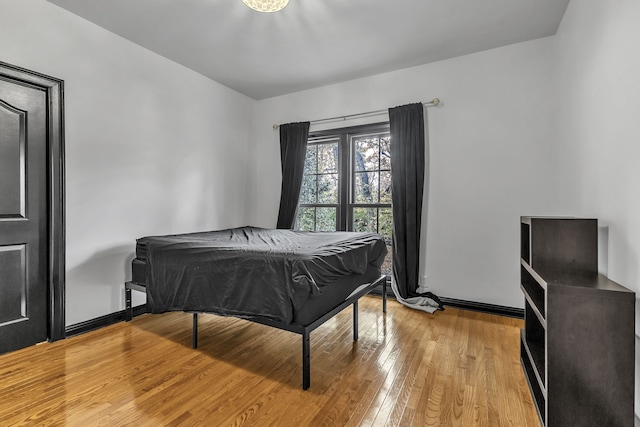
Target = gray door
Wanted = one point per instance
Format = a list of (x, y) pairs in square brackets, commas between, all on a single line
[(23, 215)]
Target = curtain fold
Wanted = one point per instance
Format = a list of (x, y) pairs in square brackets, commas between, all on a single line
[(293, 149), (408, 168)]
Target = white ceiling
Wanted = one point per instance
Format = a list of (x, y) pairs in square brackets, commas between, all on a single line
[(312, 43)]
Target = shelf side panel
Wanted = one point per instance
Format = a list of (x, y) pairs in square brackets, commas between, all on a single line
[(591, 347)]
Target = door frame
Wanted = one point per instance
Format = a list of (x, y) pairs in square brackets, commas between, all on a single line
[(54, 89)]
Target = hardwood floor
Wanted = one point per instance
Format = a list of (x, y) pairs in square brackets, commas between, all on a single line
[(453, 368)]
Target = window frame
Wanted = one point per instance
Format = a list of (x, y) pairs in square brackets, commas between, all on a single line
[(346, 170), (352, 204), (319, 140)]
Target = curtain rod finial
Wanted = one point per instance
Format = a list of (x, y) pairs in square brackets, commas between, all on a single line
[(435, 101), (276, 126)]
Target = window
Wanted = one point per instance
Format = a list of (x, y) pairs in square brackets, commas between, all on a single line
[(347, 183), (320, 194)]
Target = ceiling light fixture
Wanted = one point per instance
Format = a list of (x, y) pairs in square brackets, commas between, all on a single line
[(266, 5)]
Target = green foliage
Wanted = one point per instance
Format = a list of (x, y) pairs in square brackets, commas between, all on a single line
[(305, 220), (325, 219)]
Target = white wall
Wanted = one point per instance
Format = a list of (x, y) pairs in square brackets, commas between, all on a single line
[(491, 144), (598, 60), (151, 147)]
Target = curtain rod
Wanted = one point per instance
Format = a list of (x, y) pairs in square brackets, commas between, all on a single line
[(434, 101)]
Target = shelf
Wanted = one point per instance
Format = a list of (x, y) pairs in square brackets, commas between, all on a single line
[(577, 348), (581, 282), (536, 391), (532, 357), (525, 243), (533, 290), (533, 307), (534, 337), (534, 273)]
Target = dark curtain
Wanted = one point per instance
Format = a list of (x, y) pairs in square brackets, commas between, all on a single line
[(407, 166), (293, 149)]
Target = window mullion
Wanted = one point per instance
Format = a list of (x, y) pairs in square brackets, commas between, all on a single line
[(345, 183), (379, 175)]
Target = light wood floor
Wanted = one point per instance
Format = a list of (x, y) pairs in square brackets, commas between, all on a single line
[(453, 368)]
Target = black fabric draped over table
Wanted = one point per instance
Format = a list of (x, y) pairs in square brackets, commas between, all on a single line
[(407, 167), (293, 149)]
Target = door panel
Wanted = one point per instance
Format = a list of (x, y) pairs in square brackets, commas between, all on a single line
[(12, 149), (14, 272), (23, 215)]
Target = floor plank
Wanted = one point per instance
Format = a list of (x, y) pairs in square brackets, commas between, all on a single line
[(452, 368)]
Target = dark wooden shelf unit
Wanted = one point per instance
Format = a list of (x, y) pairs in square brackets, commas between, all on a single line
[(577, 346)]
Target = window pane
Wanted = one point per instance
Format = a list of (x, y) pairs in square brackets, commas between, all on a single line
[(385, 223), (385, 228), (375, 186), (364, 219), (358, 159), (385, 152), (385, 187), (311, 159), (387, 264), (325, 219), (364, 192), (305, 220), (328, 188), (366, 153), (328, 158), (308, 190)]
